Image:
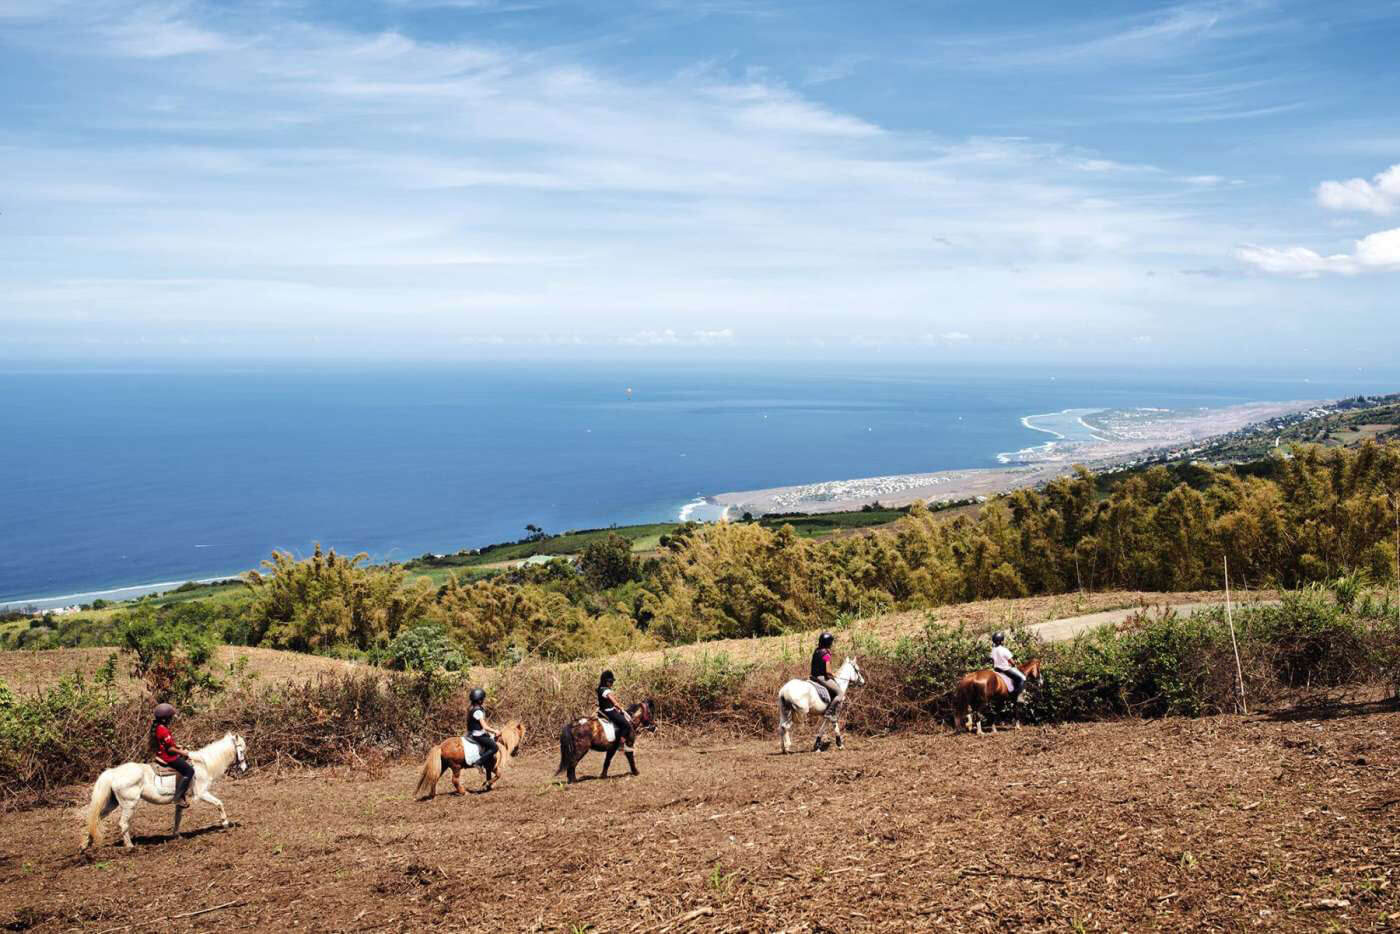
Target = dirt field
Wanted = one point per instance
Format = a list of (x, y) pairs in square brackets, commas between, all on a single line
[(1272, 822)]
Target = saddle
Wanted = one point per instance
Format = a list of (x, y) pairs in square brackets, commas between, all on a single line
[(609, 730), (162, 770), (471, 751), (822, 691)]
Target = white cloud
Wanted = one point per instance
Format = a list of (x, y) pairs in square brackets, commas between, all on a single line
[(1378, 251), (956, 337), (1381, 195), (156, 33)]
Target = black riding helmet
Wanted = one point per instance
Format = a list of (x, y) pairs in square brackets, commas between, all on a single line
[(165, 712), (606, 678), (825, 640), (998, 638), (478, 695)]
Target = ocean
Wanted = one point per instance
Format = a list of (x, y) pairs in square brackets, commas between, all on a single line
[(139, 477)]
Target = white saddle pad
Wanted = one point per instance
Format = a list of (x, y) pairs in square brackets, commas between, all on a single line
[(1006, 682), (165, 784), (471, 752), (609, 731)]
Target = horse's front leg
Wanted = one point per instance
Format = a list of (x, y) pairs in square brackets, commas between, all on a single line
[(821, 732), (206, 797), (631, 760)]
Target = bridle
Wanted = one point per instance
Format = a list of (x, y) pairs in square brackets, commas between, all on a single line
[(239, 755)]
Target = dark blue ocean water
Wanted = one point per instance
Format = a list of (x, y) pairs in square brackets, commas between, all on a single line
[(124, 478)]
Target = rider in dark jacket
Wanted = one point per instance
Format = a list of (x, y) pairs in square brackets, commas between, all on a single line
[(821, 671), (611, 708), (480, 732)]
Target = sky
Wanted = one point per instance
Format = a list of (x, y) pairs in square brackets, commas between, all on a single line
[(472, 179)]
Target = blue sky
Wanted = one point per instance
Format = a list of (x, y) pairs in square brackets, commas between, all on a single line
[(468, 178)]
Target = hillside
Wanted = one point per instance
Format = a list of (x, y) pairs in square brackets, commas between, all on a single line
[(1274, 820), (1346, 423), (28, 670)]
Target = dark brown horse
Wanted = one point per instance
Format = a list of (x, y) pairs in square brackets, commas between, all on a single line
[(979, 689), (452, 753), (585, 733)]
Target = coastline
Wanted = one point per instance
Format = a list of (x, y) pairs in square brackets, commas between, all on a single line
[(1129, 435), (1126, 435)]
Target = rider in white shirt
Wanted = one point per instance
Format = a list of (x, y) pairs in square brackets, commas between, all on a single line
[(1004, 664)]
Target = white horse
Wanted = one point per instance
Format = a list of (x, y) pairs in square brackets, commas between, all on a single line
[(800, 695), (124, 785)]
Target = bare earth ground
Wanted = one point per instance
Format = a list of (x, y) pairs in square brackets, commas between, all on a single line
[(1228, 823)]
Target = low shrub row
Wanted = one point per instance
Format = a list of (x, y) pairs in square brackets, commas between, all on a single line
[(1172, 665)]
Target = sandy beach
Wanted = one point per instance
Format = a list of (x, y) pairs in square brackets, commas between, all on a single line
[(1110, 437)]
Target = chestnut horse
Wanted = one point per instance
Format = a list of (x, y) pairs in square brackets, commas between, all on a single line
[(458, 753), (979, 689), (585, 733)]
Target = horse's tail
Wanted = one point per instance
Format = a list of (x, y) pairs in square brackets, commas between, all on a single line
[(963, 698), (566, 748), (432, 771), (103, 801)]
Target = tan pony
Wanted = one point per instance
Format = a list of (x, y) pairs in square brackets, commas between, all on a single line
[(979, 689), (458, 753)]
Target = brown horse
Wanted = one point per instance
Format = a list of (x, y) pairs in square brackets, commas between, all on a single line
[(585, 733), (452, 752), (979, 689)]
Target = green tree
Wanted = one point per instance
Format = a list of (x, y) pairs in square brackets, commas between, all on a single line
[(608, 562)]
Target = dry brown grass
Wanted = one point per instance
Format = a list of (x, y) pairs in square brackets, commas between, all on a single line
[(26, 672), (980, 616)]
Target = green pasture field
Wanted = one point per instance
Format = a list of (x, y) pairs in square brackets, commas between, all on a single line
[(813, 526)]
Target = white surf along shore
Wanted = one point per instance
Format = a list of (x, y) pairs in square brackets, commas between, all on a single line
[(1095, 438)]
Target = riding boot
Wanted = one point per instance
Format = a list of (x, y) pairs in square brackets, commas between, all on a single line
[(182, 787)]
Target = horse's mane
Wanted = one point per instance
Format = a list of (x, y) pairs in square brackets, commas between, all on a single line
[(215, 759), (649, 704)]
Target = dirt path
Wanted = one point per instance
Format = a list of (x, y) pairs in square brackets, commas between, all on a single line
[(1060, 630), (1225, 823)]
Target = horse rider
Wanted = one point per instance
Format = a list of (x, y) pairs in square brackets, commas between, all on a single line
[(1003, 664), (610, 707), (480, 731), (821, 671), (169, 754)]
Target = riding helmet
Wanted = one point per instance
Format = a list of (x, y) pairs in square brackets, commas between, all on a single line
[(826, 640), (478, 695), (164, 711), (998, 638), (606, 678)]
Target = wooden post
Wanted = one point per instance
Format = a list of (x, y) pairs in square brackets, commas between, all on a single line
[(1395, 504), (1230, 617)]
